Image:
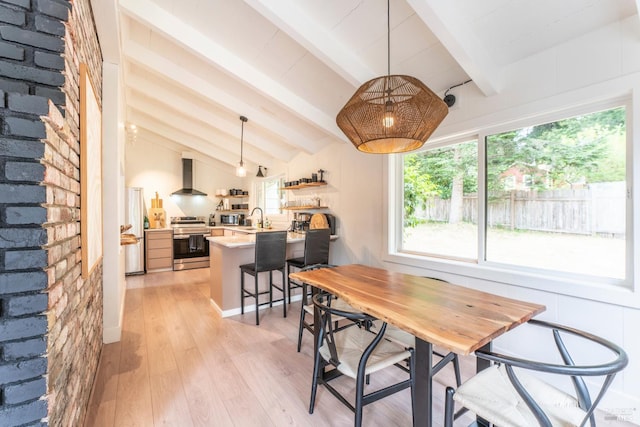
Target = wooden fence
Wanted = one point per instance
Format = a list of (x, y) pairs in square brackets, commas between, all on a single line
[(598, 209)]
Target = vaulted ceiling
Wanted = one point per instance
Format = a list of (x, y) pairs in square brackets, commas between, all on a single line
[(192, 67)]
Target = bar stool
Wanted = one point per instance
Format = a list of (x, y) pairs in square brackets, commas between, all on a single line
[(270, 255), (316, 251)]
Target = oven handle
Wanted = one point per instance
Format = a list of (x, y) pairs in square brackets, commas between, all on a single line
[(186, 236)]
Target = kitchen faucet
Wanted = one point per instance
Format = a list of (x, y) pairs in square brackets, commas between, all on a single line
[(261, 215)]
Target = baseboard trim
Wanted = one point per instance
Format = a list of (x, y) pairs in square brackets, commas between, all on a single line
[(247, 308)]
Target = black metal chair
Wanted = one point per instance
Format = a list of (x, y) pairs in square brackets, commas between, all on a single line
[(307, 305), (316, 251), (355, 352), (270, 255), (506, 393)]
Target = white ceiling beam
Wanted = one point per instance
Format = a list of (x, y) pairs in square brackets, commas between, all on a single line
[(152, 124), (146, 12), (287, 16), (181, 104), (464, 46), (157, 139), (198, 86), (217, 142)]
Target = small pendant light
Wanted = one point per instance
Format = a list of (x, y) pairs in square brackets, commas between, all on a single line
[(260, 174), (240, 170), (392, 113)]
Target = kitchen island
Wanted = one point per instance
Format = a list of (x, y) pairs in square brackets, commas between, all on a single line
[(227, 254)]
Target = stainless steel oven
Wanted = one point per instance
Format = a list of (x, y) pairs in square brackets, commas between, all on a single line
[(190, 245)]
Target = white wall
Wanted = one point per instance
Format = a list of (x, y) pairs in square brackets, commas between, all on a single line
[(157, 167), (353, 195), (113, 283)]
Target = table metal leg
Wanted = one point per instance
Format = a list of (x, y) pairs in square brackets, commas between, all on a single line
[(482, 364), (422, 410)]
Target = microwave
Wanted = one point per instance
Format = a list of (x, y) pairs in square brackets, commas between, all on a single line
[(231, 219)]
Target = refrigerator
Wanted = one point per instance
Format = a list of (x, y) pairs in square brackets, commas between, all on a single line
[(134, 215)]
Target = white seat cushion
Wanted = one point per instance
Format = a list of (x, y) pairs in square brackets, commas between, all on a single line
[(336, 303), (491, 395), (351, 343)]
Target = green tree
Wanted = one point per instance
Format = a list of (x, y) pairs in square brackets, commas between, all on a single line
[(572, 151), (444, 172), (418, 187)]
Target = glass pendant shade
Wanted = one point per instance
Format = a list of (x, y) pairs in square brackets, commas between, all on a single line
[(240, 170), (391, 114)]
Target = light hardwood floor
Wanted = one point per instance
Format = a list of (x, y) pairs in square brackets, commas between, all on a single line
[(180, 364)]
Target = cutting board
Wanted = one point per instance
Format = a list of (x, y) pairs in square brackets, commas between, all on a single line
[(318, 221)]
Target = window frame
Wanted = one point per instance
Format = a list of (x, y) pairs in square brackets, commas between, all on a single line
[(618, 291), (261, 195)]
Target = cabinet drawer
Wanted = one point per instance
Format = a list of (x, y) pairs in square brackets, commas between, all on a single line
[(156, 263), (160, 253), (217, 232), (159, 244), (159, 235)]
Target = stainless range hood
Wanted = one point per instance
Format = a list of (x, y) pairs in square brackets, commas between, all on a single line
[(187, 181)]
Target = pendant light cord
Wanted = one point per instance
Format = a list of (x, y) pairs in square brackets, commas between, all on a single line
[(388, 39), (243, 119)]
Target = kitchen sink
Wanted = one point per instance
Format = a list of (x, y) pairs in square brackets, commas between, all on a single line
[(247, 228)]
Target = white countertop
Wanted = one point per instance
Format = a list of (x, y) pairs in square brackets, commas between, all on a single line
[(249, 240)]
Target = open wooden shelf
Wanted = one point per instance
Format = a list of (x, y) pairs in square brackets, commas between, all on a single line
[(234, 197), (304, 208), (305, 185)]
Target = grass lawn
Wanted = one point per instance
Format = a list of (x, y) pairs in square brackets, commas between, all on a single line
[(590, 255)]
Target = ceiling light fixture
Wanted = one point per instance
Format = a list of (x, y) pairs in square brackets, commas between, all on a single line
[(392, 113), (240, 170), (260, 174)]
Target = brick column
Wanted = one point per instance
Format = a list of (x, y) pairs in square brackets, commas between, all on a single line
[(23, 324)]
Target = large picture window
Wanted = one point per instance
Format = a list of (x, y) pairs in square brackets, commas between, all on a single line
[(546, 197)]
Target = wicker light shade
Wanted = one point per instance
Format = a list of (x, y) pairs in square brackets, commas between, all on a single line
[(391, 114)]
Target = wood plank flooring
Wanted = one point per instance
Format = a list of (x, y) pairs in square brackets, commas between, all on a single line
[(180, 364)]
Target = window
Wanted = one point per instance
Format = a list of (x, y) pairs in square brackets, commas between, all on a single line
[(269, 195), (551, 197), (569, 214), (440, 195)]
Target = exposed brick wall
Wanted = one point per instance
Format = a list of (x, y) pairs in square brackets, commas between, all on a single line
[(50, 317)]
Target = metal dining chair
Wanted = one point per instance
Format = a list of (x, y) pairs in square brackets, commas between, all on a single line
[(316, 251), (355, 352), (306, 308), (270, 255), (508, 394)]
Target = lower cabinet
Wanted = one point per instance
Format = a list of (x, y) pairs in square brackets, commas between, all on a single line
[(159, 248)]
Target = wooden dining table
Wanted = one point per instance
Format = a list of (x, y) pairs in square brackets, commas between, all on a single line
[(456, 318)]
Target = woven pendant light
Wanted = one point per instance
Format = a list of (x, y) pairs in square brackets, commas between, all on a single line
[(391, 114)]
